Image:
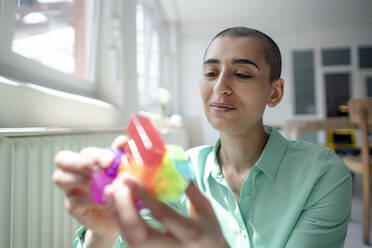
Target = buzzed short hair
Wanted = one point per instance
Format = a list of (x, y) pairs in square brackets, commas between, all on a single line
[(270, 48)]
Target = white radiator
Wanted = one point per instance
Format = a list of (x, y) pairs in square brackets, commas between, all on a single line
[(32, 212)]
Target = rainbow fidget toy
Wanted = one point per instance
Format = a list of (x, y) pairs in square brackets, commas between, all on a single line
[(164, 170)]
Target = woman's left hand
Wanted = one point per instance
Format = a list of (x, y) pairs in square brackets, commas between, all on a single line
[(201, 229)]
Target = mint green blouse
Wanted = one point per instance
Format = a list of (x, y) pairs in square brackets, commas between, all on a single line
[(297, 194)]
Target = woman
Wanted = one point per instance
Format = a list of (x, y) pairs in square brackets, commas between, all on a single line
[(259, 189)]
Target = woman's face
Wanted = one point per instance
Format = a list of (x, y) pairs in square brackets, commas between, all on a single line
[(235, 85)]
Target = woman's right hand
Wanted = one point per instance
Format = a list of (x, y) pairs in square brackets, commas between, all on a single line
[(73, 176)]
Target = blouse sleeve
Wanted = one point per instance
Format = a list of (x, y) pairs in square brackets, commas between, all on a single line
[(325, 217)]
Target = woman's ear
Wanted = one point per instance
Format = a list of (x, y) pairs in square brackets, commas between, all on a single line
[(277, 90)]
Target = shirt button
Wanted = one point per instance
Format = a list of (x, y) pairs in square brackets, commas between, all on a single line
[(244, 233)]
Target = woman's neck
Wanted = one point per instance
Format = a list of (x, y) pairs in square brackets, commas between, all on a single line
[(240, 152)]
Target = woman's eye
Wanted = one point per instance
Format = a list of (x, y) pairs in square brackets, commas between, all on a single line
[(241, 75), (210, 74)]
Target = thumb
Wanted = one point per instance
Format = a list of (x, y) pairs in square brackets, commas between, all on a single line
[(120, 142)]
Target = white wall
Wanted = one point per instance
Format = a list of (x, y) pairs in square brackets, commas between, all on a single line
[(299, 34), (190, 62)]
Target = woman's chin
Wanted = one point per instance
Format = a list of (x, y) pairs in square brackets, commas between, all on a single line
[(232, 126), (223, 125)]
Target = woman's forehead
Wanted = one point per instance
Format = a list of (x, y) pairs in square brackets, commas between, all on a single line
[(235, 47)]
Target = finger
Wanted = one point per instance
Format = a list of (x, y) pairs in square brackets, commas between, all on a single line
[(120, 142), (72, 161), (98, 156), (159, 240), (182, 228), (199, 203), (131, 225), (134, 229), (71, 182), (78, 204)]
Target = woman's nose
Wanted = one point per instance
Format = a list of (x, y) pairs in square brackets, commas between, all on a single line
[(222, 86)]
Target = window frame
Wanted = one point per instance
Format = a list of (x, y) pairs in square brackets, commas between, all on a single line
[(44, 97)]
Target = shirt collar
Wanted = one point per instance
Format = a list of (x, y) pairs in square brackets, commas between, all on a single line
[(268, 162), (212, 167), (273, 153)]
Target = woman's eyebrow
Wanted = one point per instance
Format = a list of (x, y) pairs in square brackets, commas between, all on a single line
[(244, 61), (211, 61)]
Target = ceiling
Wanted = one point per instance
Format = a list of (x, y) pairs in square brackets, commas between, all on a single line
[(283, 12)]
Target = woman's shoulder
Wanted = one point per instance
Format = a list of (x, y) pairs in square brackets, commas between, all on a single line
[(306, 150), (315, 158)]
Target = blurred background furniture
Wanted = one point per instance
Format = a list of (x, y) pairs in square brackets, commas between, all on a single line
[(360, 113), (293, 128), (343, 141)]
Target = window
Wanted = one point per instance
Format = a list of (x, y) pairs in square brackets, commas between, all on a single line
[(333, 79), (365, 57), (304, 82), (50, 42), (148, 54), (48, 48), (337, 92), (54, 33), (369, 86), (336, 56)]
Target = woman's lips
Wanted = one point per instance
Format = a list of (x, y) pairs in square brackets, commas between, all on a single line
[(221, 107)]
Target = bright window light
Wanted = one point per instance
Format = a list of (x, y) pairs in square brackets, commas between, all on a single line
[(148, 58), (56, 33)]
